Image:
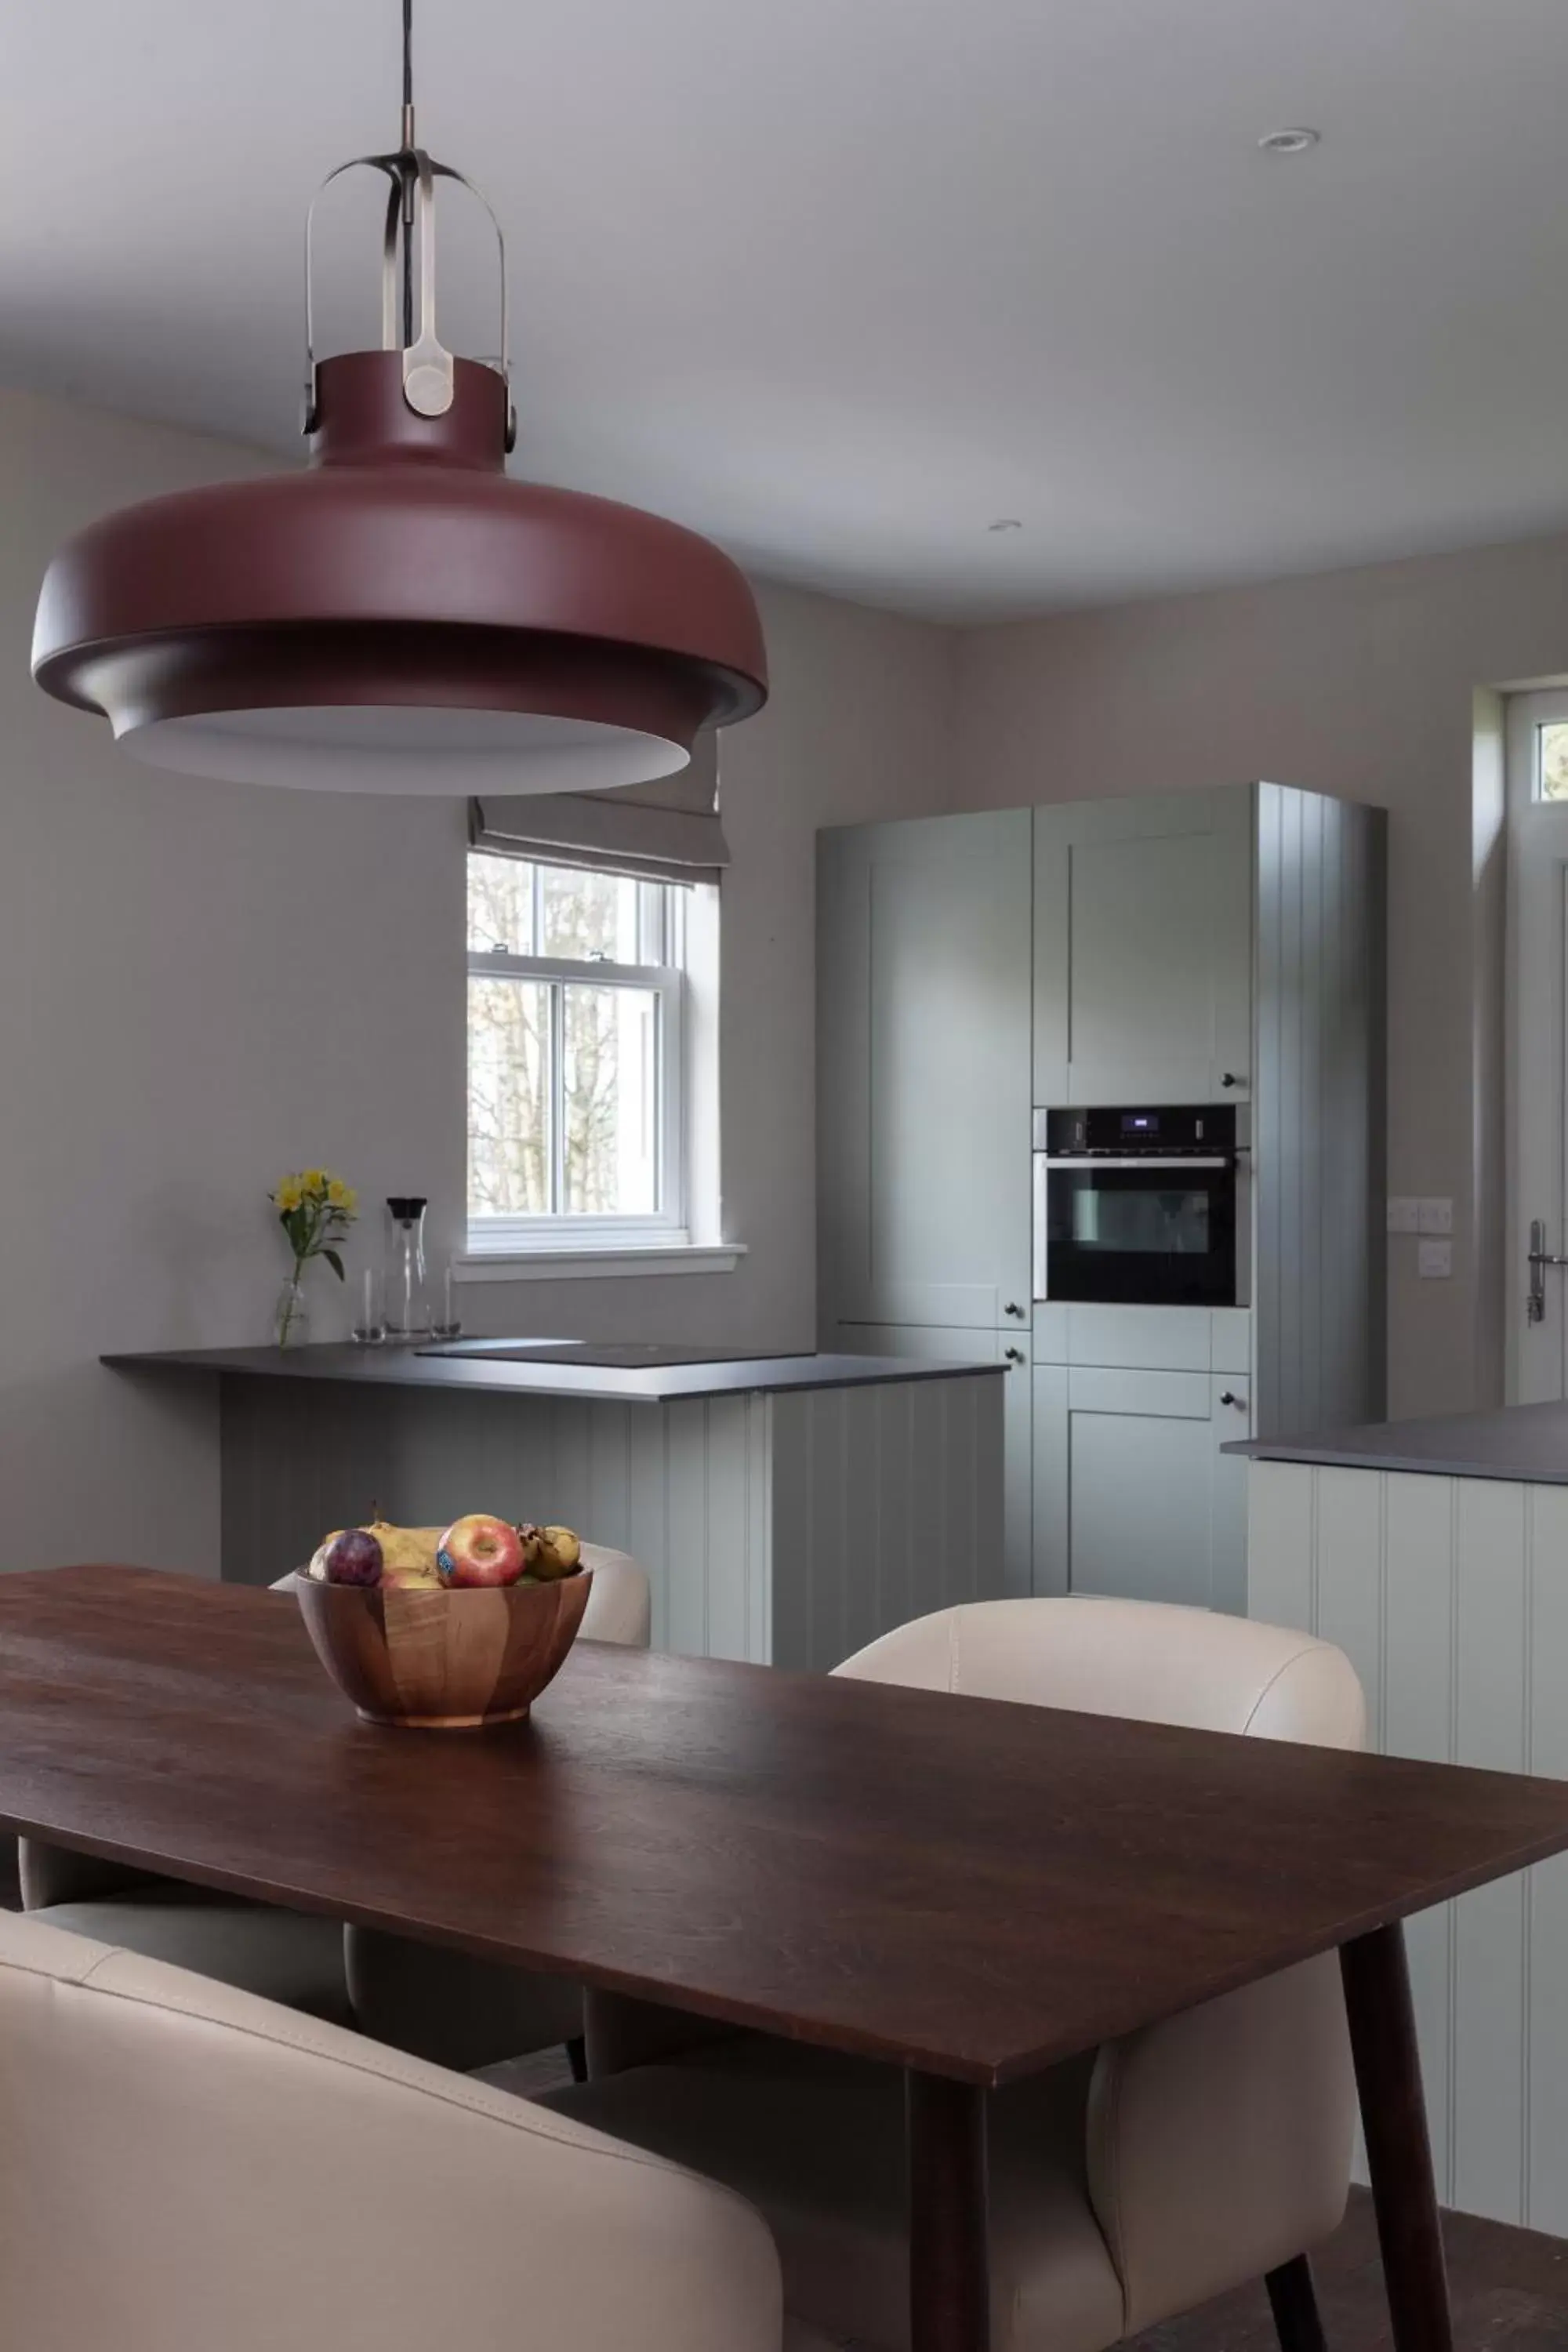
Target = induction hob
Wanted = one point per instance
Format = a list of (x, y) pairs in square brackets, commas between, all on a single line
[(598, 1355)]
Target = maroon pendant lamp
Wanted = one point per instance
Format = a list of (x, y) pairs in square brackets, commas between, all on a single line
[(402, 617)]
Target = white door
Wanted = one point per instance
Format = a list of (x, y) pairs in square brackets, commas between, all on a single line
[(1538, 1044)]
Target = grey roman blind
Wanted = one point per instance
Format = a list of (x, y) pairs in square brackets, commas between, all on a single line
[(667, 831)]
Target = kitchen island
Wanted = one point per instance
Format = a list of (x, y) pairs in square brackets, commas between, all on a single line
[(1435, 1553), (787, 1508)]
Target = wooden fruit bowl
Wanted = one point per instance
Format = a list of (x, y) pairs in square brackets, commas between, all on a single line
[(448, 1661)]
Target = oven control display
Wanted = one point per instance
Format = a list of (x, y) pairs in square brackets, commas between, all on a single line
[(1139, 1122)]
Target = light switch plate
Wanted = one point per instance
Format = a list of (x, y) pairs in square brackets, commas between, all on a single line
[(1434, 1216), (1435, 1260), (1403, 1214)]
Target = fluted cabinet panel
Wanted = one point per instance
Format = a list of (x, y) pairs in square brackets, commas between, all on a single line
[(785, 1528), (1451, 1596)]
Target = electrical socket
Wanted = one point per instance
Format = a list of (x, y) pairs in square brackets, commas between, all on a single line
[(1435, 1260), (1434, 1216), (1403, 1214)]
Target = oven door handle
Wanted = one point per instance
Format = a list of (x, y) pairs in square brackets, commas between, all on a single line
[(1085, 1163), (1041, 1290)]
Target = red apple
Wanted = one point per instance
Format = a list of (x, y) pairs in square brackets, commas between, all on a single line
[(479, 1549)]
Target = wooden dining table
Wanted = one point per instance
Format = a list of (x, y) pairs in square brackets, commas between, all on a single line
[(968, 1890)]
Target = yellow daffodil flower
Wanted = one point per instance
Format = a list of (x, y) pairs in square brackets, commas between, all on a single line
[(340, 1195), (315, 1180), (290, 1194)]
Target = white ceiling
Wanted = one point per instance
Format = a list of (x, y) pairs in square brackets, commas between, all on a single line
[(842, 281)]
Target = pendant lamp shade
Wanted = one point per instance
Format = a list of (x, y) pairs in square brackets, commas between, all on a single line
[(402, 617)]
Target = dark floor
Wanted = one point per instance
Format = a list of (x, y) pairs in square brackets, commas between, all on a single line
[(1509, 2290)]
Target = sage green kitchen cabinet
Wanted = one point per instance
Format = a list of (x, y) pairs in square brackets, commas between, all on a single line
[(923, 1101), (932, 1343), (1144, 949), (1133, 1495), (1214, 947)]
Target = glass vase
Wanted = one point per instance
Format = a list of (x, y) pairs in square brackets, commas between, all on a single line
[(291, 1320)]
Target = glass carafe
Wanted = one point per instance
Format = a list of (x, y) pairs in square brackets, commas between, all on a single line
[(409, 1308)]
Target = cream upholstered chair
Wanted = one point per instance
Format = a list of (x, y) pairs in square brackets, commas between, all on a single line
[(1128, 2186), (285, 1956), (183, 2166), (470, 2014)]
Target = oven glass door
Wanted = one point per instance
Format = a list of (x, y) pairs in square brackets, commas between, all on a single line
[(1136, 1232)]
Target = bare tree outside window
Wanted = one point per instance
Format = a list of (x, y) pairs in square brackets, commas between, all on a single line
[(1554, 768), (568, 1075)]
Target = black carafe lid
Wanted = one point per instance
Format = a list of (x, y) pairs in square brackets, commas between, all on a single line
[(406, 1206)]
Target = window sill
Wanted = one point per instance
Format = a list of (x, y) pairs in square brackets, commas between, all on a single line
[(570, 1262)]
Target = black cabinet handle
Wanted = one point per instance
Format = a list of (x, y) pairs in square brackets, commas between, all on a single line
[(1014, 1355), (1228, 1396), (1230, 1079), (1012, 1308)]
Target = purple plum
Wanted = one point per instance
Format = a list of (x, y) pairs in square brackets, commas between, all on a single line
[(353, 1557)]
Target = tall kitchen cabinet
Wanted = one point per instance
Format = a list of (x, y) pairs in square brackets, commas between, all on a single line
[(925, 974), (1219, 947)]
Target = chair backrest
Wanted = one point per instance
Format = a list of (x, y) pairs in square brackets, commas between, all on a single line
[(182, 2166), (620, 1603), (1136, 1658)]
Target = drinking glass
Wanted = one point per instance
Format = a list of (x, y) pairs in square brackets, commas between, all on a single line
[(369, 1326), (449, 1322)]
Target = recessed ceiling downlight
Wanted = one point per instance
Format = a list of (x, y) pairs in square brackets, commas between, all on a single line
[(1296, 140)]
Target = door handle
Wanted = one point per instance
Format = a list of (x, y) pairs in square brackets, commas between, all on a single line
[(1538, 1258)]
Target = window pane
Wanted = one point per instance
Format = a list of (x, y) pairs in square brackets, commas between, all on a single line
[(508, 1097), (500, 905), (611, 1074), (588, 914), (658, 934), (1554, 762)]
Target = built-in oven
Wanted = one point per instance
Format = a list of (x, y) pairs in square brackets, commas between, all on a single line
[(1145, 1206)]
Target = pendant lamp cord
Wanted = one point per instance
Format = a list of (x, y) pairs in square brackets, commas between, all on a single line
[(408, 177)]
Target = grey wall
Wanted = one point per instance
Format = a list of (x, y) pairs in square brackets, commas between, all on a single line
[(201, 985), (1359, 683)]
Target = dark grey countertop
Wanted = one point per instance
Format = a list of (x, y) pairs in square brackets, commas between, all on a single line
[(1522, 1441), (551, 1374)]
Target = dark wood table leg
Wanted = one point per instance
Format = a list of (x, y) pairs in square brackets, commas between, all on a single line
[(950, 2271), (1399, 2154)]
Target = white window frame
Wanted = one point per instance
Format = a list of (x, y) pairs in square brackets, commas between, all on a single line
[(562, 1232), (1536, 1135)]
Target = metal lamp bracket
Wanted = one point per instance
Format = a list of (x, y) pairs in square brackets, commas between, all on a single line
[(428, 365)]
